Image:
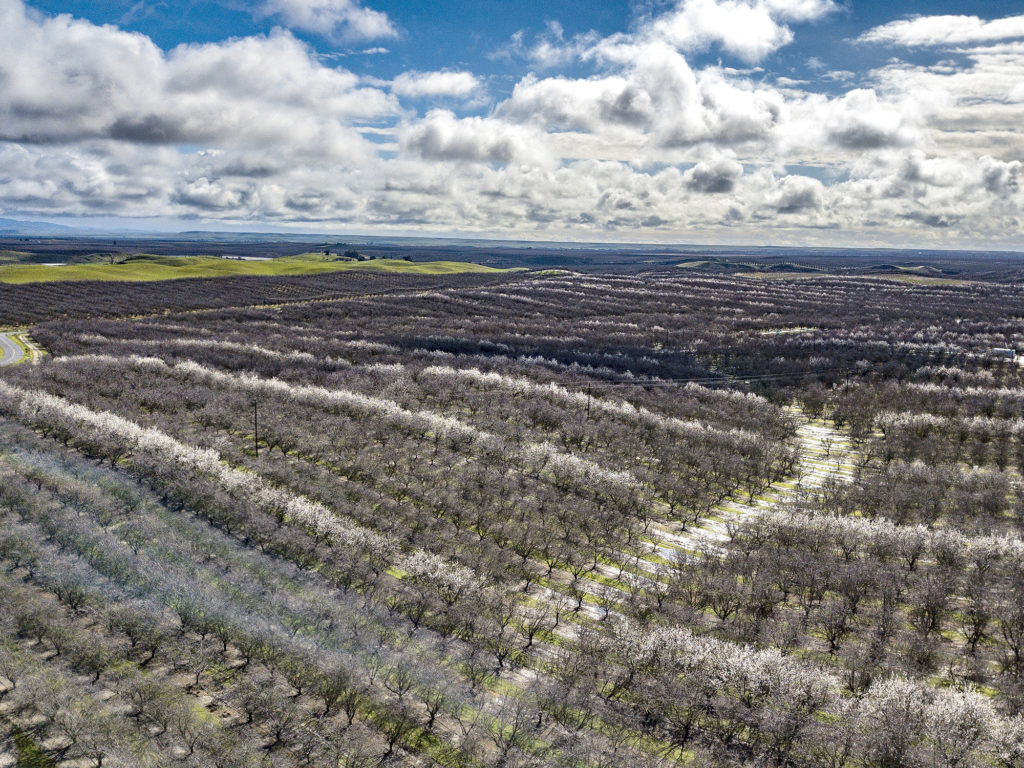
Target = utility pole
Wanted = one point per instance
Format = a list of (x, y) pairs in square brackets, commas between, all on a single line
[(255, 428)]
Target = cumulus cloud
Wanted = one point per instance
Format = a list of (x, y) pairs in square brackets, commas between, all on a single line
[(101, 178), (923, 31), (748, 29), (432, 84), (203, 193), (973, 106), (248, 91), (715, 177), (440, 135), (728, 112), (859, 120), (334, 19), (1000, 178), (795, 194), (98, 121), (581, 104), (658, 94)]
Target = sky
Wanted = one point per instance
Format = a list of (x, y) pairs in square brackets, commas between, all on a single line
[(754, 122)]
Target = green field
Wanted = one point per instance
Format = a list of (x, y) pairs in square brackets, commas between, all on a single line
[(13, 257), (142, 268)]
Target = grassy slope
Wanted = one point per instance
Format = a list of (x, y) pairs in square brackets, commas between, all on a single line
[(12, 257), (170, 268)]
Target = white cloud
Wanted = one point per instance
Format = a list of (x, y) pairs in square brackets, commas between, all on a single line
[(795, 194), (578, 104), (98, 121), (748, 29), (659, 94), (717, 176), (945, 30), (553, 50), (860, 121), (243, 92), (972, 106), (513, 49), (801, 10), (334, 19), (442, 136), (209, 195), (431, 84)]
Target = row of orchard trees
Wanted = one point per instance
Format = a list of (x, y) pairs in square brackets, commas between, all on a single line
[(761, 702), (444, 553), (784, 335), (877, 597), (40, 302), (546, 502), (777, 705), (689, 690), (307, 673)]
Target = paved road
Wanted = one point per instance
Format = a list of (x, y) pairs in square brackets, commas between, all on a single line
[(10, 353)]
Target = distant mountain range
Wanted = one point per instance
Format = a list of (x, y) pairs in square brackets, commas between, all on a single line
[(21, 228), (15, 228), (530, 250)]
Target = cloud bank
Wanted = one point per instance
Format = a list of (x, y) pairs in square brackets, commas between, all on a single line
[(643, 145)]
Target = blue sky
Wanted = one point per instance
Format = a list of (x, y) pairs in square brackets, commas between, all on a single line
[(467, 35), (734, 121)]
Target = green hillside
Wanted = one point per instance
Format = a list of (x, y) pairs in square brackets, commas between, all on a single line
[(145, 267)]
